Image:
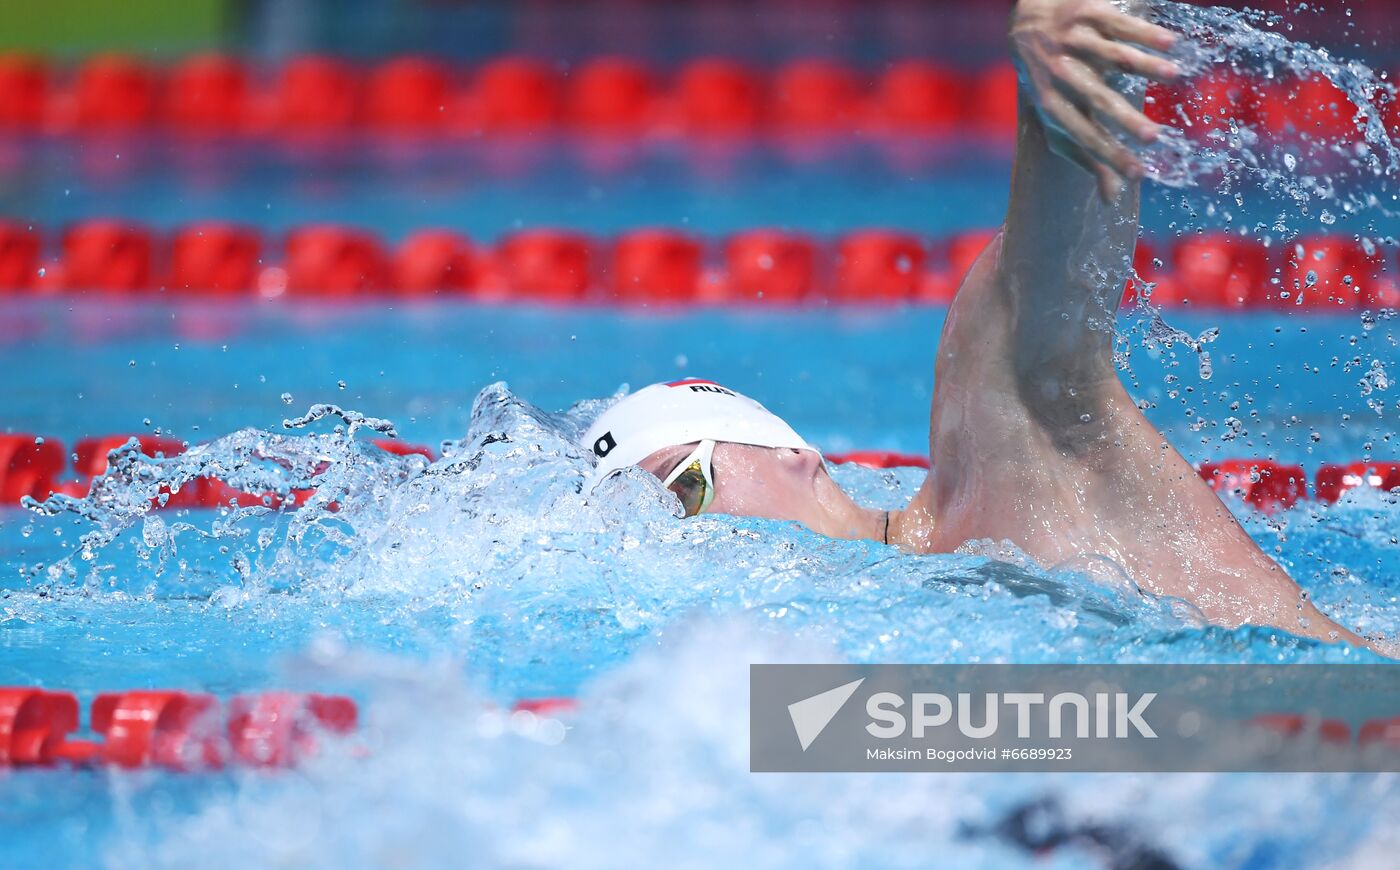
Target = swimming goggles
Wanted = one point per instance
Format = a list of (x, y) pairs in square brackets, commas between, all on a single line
[(693, 479)]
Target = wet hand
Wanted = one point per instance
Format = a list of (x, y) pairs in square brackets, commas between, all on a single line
[(1064, 49)]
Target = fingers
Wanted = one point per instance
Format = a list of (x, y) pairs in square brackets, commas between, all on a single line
[(1126, 28), (1086, 87), (1112, 161), (1108, 54)]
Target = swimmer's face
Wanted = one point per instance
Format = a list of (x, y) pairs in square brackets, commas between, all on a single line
[(773, 482)]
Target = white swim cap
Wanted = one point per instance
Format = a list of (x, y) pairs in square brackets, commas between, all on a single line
[(681, 412)]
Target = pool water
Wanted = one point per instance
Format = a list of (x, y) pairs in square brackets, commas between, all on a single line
[(437, 593)]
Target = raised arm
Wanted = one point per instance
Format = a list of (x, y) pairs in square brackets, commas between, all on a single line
[(1072, 221), (1033, 438)]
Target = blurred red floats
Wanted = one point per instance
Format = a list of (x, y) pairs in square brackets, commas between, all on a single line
[(108, 255), (29, 466), (113, 92), (315, 95), (880, 459), (1334, 480), (170, 729), (208, 94), (512, 95), (611, 94), (719, 97), (278, 729), (1329, 272), (872, 266), (24, 91), (1220, 270), (1313, 107), (331, 260), (408, 94), (33, 724), (655, 266), (915, 95), (708, 96), (19, 255), (879, 266), (435, 261), (1298, 725), (1383, 731), (214, 258), (544, 265), (546, 706), (1266, 485), (770, 265), (815, 95)]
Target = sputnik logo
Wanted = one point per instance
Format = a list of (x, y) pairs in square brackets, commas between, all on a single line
[(810, 716)]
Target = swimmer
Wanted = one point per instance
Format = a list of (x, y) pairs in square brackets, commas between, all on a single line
[(1033, 438)]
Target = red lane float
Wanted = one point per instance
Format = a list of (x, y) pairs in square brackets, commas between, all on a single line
[(1268, 486), (719, 96), (1220, 270), (315, 95), (771, 266), (33, 724), (512, 95), (1383, 731), (113, 93), (19, 254), (1297, 725), (816, 96), (613, 95), (546, 706), (108, 255), (407, 95), (433, 261), (655, 266), (28, 466), (879, 266), (166, 729), (175, 730), (208, 94), (880, 459), (330, 260), (24, 91), (215, 258), (544, 265), (278, 729), (1334, 480), (917, 96)]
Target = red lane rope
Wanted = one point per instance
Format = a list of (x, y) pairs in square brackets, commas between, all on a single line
[(171, 729), (648, 267), (194, 732), (220, 95), (35, 466)]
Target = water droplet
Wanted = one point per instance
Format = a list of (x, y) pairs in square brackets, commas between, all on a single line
[(340, 384), (286, 398), (1327, 217)]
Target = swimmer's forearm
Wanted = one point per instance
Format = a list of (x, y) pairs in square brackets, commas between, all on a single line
[(1065, 258), (1072, 221)]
